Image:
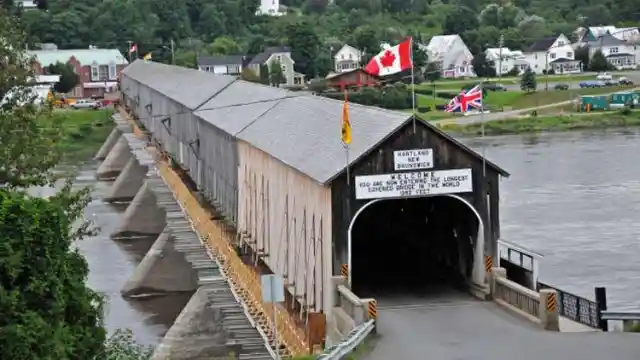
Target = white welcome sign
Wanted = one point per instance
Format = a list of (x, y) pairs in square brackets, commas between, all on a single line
[(416, 183), (415, 159)]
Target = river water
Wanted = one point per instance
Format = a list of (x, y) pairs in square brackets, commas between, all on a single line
[(575, 198), (111, 263)]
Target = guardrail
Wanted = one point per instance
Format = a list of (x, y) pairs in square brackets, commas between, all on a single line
[(353, 339), (518, 296), (630, 319), (580, 309)]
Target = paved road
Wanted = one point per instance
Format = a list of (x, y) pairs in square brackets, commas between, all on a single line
[(634, 75), (455, 326)]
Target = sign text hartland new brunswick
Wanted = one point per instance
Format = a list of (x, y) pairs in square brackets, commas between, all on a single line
[(415, 183)]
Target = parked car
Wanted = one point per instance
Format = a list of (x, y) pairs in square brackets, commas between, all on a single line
[(561, 87), (592, 84), (611, 83), (604, 76), (624, 81), (86, 104)]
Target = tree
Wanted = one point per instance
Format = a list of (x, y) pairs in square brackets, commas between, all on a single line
[(47, 310), (582, 54), (460, 20), (419, 53), (264, 74), (482, 67), (304, 43), (68, 77), (432, 72), (528, 81), (224, 45), (249, 75), (276, 76), (598, 62)]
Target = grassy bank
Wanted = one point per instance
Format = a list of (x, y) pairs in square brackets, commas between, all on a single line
[(512, 79), (84, 132), (549, 123)]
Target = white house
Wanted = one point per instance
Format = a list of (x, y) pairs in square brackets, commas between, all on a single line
[(271, 8), (510, 59), (593, 33), (618, 53), (555, 53), (347, 58), (451, 54)]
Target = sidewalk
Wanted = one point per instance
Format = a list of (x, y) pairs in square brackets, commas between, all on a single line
[(570, 326)]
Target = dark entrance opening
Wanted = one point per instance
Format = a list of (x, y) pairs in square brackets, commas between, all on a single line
[(417, 246)]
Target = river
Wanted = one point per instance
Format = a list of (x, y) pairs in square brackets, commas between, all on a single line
[(111, 263), (575, 198)]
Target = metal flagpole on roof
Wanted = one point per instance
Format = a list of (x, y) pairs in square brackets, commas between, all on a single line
[(413, 88)]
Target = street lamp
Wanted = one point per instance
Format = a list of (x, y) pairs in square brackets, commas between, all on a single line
[(173, 54)]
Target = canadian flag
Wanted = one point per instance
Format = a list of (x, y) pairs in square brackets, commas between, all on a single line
[(391, 60)]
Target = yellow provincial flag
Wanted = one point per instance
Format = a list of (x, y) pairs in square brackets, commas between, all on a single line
[(346, 123), (147, 57)]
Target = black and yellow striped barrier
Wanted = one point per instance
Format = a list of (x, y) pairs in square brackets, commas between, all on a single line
[(488, 263), (552, 302), (344, 270), (372, 309)]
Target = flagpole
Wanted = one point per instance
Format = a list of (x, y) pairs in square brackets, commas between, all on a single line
[(484, 161), (413, 88)]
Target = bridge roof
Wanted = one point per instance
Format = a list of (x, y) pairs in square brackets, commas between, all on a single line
[(299, 129)]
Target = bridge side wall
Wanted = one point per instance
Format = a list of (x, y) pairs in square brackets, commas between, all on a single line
[(275, 199), (446, 155)]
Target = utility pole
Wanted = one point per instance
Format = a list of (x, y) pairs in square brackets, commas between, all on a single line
[(129, 42), (500, 45), (173, 53)]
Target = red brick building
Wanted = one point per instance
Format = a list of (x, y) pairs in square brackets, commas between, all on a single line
[(99, 69), (351, 79)]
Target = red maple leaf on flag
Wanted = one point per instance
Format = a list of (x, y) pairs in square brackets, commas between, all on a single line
[(387, 59)]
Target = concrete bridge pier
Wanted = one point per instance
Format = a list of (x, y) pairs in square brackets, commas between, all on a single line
[(108, 144), (162, 270), (115, 162), (128, 182), (143, 216)]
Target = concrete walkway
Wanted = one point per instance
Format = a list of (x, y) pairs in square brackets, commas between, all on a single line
[(458, 327)]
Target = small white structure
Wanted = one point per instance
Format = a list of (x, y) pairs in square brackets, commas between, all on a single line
[(347, 58), (554, 53), (451, 54), (271, 8), (510, 59)]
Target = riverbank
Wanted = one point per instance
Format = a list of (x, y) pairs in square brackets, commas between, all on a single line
[(84, 132), (553, 123)]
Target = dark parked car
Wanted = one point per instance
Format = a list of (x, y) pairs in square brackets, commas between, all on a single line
[(625, 81), (592, 84), (561, 87)]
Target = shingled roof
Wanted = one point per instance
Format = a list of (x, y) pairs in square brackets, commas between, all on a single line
[(299, 129), (543, 44)]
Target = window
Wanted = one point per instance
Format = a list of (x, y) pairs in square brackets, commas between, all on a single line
[(560, 43), (94, 73), (103, 72), (613, 50), (341, 56), (552, 55), (350, 56), (112, 72), (569, 54)]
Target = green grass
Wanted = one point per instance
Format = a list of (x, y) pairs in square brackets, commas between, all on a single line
[(510, 79), (522, 100), (537, 124), (84, 131)]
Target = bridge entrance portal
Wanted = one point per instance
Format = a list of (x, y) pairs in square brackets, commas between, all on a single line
[(415, 246)]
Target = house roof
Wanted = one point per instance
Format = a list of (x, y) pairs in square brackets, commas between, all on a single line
[(84, 56), (221, 60), (542, 44), (334, 75), (349, 48), (266, 54), (440, 44), (292, 127), (606, 40)]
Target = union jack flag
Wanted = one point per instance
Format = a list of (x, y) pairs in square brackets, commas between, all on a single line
[(466, 100)]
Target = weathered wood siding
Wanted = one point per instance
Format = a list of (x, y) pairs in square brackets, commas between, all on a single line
[(288, 216), (446, 155), (218, 169)]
